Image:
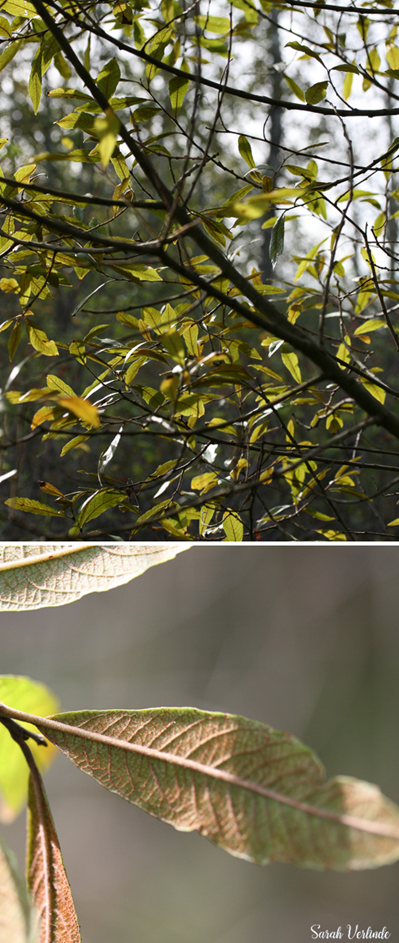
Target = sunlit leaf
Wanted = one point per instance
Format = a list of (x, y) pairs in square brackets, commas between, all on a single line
[(108, 78), (33, 507), (82, 408), (233, 527)]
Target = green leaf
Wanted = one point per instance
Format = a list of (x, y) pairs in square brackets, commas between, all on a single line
[(20, 8), (178, 88), (277, 239), (213, 24), (377, 391), (373, 324), (46, 877), (256, 792), (14, 339), (73, 443), (175, 346), (245, 150), (98, 503), (58, 385), (33, 507), (107, 129), (35, 80), (108, 78), (34, 698), (290, 360), (9, 53), (34, 576), (40, 341), (295, 88), (309, 53), (316, 93), (233, 527)]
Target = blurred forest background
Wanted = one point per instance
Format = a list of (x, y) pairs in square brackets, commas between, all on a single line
[(304, 641)]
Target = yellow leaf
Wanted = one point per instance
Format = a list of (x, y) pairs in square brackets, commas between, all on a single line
[(81, 408)]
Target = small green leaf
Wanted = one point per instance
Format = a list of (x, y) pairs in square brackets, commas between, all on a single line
[(277, 239), (33, 507), (295, 88), (316, 93), (233, 527), (35, 80), (98, 503), (73, 443), (175, 346), (377, 391), (14, 339), (9, 53), (40, 341), (178, 88), (108, 78), (290, 360), (245, 150)]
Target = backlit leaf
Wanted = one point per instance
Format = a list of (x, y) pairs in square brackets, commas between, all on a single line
[(47, 880), (34, 576), (258, 793), (245, 150), (108, 78), (98, 503), (233, 527)]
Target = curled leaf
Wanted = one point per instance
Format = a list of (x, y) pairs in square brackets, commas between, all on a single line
[(47, 880)]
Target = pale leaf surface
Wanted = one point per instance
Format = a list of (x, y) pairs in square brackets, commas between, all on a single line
[(34, 698), (33, 576), (13, 900), (47, 880), (258, 793)]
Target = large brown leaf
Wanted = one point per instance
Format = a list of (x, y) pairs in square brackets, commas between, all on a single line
[(258, 793)]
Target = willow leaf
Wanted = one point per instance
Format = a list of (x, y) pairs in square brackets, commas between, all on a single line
[(47, 880), (33, 576), (258, 793)]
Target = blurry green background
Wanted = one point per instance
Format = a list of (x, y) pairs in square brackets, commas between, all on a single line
[(305, 639)]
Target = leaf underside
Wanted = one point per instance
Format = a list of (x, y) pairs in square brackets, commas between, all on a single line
[(258, 793), (33, 576)]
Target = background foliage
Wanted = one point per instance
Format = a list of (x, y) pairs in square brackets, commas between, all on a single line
[(198, 261)]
